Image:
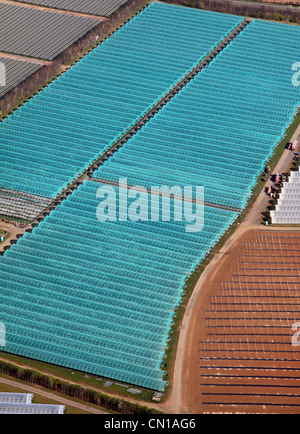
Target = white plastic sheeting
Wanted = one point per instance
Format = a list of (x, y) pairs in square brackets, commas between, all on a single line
[(287, 210), (6, 408), (16, 398)]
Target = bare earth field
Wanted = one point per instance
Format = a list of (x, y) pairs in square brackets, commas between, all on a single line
[(240, 357), (14, 230)]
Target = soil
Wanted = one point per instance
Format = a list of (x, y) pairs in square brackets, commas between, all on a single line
[(239, 356)]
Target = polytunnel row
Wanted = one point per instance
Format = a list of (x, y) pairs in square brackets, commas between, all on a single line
[(94, 7), (69, 234), (227, 139), (39, 33), (64, 129), (100, 297)]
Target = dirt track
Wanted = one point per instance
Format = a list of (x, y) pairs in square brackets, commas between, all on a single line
[(239, 354), (185, 392), (13, 231), (25, 59)]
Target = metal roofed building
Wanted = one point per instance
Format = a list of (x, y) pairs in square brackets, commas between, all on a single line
[(95, 7), (16, 72), (41, 34)]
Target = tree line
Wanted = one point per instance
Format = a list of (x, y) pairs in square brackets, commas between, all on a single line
[(73, 390), (266, 11)]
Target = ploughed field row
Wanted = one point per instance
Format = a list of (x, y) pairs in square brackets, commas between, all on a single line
[(247, 360)]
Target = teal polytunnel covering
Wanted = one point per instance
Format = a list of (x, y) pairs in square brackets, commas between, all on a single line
[(99, 296), (52, 139), (223, 127)]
